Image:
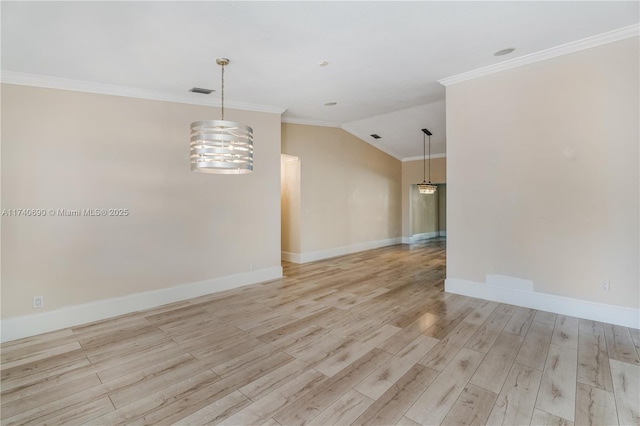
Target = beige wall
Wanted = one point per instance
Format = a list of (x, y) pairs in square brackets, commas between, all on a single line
[(71, 150), (350, 190), (543, 175), (442, 208), (413, 173)]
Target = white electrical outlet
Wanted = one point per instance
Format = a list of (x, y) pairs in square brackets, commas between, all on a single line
[(606, 286), (38, 302)]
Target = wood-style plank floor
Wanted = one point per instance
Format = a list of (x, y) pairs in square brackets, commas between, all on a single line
[(364, 339)]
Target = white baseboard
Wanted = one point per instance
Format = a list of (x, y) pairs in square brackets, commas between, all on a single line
[(424, 236), (290, 257), (339, 251), (513, 283), (619, 315), (31, 325)]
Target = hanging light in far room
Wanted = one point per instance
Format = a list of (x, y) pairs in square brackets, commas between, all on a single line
[(424, 187), (219, 146)]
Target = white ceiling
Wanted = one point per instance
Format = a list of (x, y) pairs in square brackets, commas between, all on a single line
[(384, 57)]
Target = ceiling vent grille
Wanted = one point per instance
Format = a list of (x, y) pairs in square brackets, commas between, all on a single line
[(201, 90)]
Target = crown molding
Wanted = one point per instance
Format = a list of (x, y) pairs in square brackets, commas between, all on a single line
[(36, 80), (310, 122), (563, 49), (420, 158)]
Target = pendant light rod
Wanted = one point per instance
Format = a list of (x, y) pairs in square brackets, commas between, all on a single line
[(429, 159), (427, 133), (222, 62), (424, 187), (424, 156)]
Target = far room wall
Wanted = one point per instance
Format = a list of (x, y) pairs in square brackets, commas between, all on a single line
[(350, 192)]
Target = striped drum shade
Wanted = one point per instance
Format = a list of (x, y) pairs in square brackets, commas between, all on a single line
[(219, 146)]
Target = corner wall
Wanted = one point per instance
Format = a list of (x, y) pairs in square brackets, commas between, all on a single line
[(184, 234), (544, 186), (350, 192)]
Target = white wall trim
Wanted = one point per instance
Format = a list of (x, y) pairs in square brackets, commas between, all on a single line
[(31, 325), (421, 158), (309, 122), (291, 257), (513, 283), (619, 315), (340, 251), (424, 236), (36, 80), (564, 49)]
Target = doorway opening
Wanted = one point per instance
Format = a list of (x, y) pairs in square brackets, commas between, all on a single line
[(289, 206), (428, 214)]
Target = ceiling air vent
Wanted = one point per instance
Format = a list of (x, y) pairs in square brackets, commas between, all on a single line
[(375, 136), (201, 90)]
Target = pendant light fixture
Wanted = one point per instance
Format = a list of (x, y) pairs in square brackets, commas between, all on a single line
[(219, 146), (424, 187)]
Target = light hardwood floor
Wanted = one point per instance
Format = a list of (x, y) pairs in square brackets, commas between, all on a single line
[(365, 339)]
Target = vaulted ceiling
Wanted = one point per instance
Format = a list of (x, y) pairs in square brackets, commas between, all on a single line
[(383, 59)]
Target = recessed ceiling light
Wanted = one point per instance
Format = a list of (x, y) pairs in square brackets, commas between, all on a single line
[(201, 90), (504, 51), (330, 103), (323, 63)]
